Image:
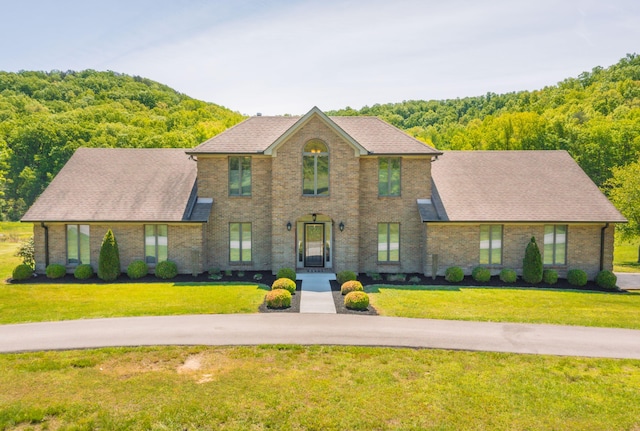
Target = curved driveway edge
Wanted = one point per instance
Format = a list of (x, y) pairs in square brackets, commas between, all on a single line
[(323, 329)]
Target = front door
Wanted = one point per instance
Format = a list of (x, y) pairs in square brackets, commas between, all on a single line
[(314, 244)]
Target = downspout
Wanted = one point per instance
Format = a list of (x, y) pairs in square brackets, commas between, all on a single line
[(602, 245), (46, 243)]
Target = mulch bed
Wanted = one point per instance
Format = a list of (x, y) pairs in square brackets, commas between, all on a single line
[(295, 302), (338, 300)]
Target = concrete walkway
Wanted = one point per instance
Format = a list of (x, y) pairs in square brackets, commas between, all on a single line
[(628, 280), (316, 294), (324, 329)]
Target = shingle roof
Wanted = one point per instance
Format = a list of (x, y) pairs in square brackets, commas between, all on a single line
[(516, 186), (256, 134), (116, 184)]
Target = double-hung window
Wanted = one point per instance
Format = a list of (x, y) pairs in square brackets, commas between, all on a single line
[(78, 244), (240, 242), (555, 244), (315, 169), (389, 176), (239, 176), (389, 242), (155, 243), (490, 244)]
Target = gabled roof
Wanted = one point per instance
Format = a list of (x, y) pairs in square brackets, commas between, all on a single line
[(368, 135), (117, 184), (516, 186)]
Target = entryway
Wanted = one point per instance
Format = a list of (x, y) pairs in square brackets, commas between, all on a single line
[(314, 247)]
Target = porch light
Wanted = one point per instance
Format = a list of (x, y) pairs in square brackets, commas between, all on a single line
[(341, 226), (313, 216), (288, 225)]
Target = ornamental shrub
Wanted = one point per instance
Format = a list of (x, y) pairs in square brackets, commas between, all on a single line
[(22, 272), (137, 269), (550, 276), (287, 273), (356, 300), (344, 276), (166, 269), (279, 298), (55, 270), (350, 286), (607, 280), (454, 274), (508, 276), (577, 277), (109, 259), (83, 272), (532, 263), (481, 274), (26, 251), (284, 283)]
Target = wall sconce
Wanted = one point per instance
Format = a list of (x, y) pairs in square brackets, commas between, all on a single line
[(288, 225), (341, 226), (313, 216)]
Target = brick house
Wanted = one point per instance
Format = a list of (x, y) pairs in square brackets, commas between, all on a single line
[(324, 193)]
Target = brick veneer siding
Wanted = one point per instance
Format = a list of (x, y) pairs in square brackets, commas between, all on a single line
[(182, 238), (459, 245), (415, 184)]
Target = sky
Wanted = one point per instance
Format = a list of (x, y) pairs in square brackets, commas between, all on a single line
[(286, 56)]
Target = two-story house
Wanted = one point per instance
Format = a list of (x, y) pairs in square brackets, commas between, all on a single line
[(324, 193)]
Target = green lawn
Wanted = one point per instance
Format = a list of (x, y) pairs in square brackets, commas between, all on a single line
[(11, 233), (508, 305), (315, 388), (625, 256)]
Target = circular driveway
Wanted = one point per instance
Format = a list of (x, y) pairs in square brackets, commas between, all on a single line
[(325, 329)]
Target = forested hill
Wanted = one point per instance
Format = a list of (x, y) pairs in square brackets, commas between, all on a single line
[(595, 116), (45, 117)]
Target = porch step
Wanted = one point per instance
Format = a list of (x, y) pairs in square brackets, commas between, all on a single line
[(316, 296)]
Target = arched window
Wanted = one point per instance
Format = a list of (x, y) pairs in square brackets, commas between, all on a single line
[(315, 169)]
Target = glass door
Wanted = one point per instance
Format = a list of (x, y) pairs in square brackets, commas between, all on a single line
[(314, 244)]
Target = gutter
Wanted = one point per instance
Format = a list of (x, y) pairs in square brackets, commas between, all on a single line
[(602, 245), (46, 243)]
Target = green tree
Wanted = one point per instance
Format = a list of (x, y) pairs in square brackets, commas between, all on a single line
[(109, 259), (624, 192), (532, 263)]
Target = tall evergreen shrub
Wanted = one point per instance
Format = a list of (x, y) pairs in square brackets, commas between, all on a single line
[(532, 263), (109, 260)]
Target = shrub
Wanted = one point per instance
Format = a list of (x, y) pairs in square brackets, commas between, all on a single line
[(532, 263), (279, 298), (344, 276), (55, 270), (350, 286), (508, 276), (356, 300), (577, 277), (257, 277), (109, 259), (607, 280), (415, 279), (137, 269), (550, 276), (375, 276), (215, 274), (83, 272), (286, 273), (228, 273), (396, 277), (22, 272), (454, 274), (284, 283), (481, 274), (26, 251), (240, 274), (166, 269)]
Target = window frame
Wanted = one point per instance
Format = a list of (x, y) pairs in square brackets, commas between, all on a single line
[(389, 174), (491, 248), (156, 243), (241, 240), (315, 155), (80, 249), (388, 242), (241, 170), (554, 245)]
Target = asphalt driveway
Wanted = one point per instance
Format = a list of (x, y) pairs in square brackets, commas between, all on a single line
[(325, 329)]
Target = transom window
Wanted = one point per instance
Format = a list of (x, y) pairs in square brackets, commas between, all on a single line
[(78, 244), (155, 243), (491, 244), (555, 244), (388, 242), (239, 176), (315, 169), (240, 242), (389, 176)]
